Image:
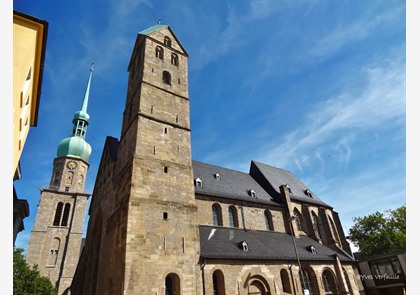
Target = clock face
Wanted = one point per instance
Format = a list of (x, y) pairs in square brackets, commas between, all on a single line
[(71, 165)]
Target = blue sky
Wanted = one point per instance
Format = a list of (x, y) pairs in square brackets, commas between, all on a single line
[(314, 87)]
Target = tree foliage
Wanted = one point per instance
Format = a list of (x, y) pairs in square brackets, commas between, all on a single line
[(380, 232), (28, 281)]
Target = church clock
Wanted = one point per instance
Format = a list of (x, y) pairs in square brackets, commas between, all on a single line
[(71, 165)]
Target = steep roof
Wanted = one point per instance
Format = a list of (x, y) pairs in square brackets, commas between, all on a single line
[(153, 29), (232, 184), (276, 177), (157, 27), (225, 243)]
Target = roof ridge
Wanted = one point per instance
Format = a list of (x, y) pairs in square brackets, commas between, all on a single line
[(224, 168)]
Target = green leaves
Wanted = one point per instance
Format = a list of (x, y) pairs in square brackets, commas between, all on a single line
[(27, 281), (380, 233)]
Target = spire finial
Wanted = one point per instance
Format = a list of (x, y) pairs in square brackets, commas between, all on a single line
[(85, 100)]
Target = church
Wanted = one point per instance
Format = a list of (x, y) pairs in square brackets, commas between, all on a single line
[(161, 223)]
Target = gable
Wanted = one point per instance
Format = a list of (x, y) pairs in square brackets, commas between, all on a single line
[(159, 32)]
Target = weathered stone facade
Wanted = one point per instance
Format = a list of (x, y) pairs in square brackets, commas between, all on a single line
[(56, 237), (161, 223)]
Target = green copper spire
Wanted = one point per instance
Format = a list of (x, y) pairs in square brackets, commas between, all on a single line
[(75, 145)]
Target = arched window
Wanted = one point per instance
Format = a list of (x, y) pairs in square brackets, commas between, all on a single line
[(166, 77), (334, 230), (346, 277), (218, 283), (328, 282), (167, 41), (159, 52), (306, 282), (233, 217), (285, 281), (66, 214), (172, 284), (174, 59), (55, 246), (315, 223), (217, 215), (268, 220), (298, 219), (58, 212), (69, 177)]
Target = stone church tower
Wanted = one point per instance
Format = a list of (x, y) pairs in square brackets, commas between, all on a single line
[(56, 237), (142, 236)]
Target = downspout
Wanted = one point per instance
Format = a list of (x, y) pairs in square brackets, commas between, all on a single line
[(203, 278)]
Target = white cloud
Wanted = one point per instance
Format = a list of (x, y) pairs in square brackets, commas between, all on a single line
[(333, 124)]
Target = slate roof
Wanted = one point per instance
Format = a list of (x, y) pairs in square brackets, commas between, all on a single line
[(276, 177), (263, 245), (232, 184), (265, 180)]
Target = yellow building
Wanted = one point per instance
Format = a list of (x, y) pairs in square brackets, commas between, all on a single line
[(29, 45)]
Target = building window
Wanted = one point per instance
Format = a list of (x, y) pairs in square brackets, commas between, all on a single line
[(217, 215), (165, 169), (308, 193), (165, 215), (167, 41), (218, 283), (55, 246), (166, 77), (58, 212), (315, 223), (346, 277), (288, 188), (244, 246), (298, 219), (172, 284), (387, 266), (334, 230), (285, 281), (66, 214), (174, 59), (159, 52), (306, 282), (198, 183), (233, 217), (217, 176), (268, 220), (252, 193), (328, 281)]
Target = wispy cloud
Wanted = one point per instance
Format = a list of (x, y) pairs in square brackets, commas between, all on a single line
[(333, 125)]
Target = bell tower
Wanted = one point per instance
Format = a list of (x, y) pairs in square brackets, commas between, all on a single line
[(162, 226), (56, 237)]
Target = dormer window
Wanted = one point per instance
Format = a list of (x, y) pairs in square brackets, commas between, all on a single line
[(308, 193), (244, 246), (217, 176), (288, 188), (312, 249), (167, 41), (252, 193), (198, 183)]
